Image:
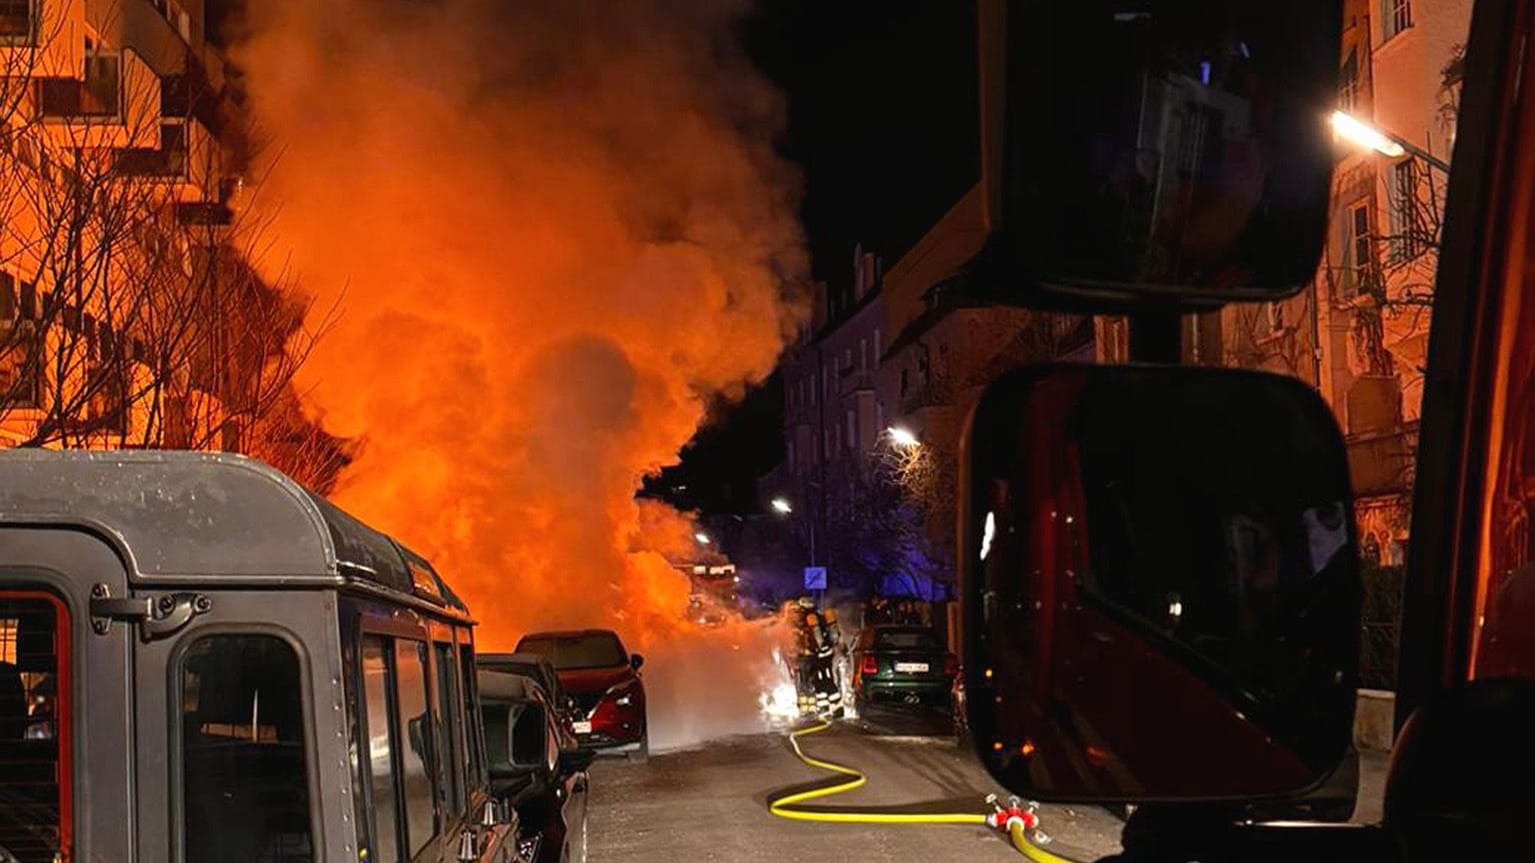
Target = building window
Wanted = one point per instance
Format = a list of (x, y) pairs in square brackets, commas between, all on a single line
[(863, 355), (35, 693), (1395, 16), (905, 381), (1348, 83), (876, 346), (245, 787), (1407, 222), (852, 430), (1275, 314), (1360, 244), (16, 19)]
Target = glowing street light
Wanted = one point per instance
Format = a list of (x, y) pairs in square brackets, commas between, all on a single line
[(781, 506), (902, 437), (702, 538), (1362, 134)]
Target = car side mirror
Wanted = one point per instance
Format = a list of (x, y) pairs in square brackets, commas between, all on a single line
[(1160, 584), (635, 661), (529, 742)]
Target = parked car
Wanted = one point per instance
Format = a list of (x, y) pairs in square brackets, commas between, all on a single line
[(535, 767), (603, 680), (541, 670), (898, 664)]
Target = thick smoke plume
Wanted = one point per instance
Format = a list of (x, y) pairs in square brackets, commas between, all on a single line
[(554, 230)]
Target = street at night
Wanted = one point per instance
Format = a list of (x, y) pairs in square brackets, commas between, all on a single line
[(829, 431), (710, 803)]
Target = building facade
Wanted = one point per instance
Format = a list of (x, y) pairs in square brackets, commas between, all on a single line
[(130, 315)]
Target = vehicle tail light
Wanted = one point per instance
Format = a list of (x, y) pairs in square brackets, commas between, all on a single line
[(870, 666), (951, 666)]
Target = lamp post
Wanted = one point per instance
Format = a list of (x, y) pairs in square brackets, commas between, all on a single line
[(783, 507), (1362, 134)]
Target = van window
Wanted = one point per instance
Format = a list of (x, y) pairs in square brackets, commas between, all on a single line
[(413, 729), (376, 683), (34, 728), (245, 789), (475, 757), (450, 716)]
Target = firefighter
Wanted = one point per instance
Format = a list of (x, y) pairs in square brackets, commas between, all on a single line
[(818, 639)]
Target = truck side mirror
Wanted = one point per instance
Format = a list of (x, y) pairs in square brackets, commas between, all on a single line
[(1136, 154), (1160, 584)]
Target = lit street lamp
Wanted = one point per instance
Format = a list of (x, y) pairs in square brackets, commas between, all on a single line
[(902, 437), (1362, 134), (702, 538), (782, 506)]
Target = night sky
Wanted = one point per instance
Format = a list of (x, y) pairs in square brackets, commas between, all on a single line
[(883, 124)]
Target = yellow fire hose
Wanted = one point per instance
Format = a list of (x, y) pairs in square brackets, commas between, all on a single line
[(781, 806)]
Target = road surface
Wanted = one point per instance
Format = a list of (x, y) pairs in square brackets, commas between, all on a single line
[(710, 803)]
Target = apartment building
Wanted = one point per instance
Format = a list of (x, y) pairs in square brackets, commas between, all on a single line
[(128, 316)]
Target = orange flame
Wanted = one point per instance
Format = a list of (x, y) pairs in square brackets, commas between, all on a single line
[(552, 235)]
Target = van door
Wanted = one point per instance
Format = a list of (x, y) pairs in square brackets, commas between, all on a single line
[(64, 699), (241, 730)]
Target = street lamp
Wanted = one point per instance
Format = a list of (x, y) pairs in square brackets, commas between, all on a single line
[(1362, 134), (902, 437), (702, 538), (781, 506)]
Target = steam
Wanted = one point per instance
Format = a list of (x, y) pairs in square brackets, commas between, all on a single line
[(553, 230)]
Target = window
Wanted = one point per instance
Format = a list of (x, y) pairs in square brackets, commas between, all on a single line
[(245, 788), (450, 718), (34, 727), (905, 381), (474, 757), (376, 683), (852, 429), (8, 298), (16, 19), (1348, 83), (1407, 222), (413, 731), (573, 652), (1275, 313), (1395, 16), (1360, 244), (29, 301), (876, 346), (863, 355)]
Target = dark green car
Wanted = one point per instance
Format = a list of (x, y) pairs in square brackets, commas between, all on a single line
[(906, 665)]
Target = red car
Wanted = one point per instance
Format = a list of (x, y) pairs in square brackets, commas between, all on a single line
[(603, 680)]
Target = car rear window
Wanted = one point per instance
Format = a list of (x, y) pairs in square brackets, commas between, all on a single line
[(34, 728), (905, 639), (593, 650)]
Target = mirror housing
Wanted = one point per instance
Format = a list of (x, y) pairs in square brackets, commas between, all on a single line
[(1176, 152), (635, 661), (1160, 584), (576, 760)]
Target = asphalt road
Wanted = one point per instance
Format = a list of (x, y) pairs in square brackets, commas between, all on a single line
[(710, 803)]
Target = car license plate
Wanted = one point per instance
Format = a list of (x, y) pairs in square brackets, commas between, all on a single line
[(911, 667), (582, 727)]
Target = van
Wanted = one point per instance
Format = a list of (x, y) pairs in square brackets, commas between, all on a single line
[(200, 660)]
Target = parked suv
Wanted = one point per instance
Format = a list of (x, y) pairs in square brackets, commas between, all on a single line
[(603, 680)]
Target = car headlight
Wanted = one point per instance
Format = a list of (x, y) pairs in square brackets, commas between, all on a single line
[(622, 694)]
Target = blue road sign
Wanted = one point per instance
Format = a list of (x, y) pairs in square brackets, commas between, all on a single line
[(815, 578)]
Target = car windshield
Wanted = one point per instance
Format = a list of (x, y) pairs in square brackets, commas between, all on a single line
[(568, 652), (906, 639)]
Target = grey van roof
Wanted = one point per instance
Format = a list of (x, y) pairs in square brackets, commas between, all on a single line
[(178, 517)]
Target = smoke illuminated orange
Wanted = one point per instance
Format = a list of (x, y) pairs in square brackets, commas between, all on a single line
[(554, 231)]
